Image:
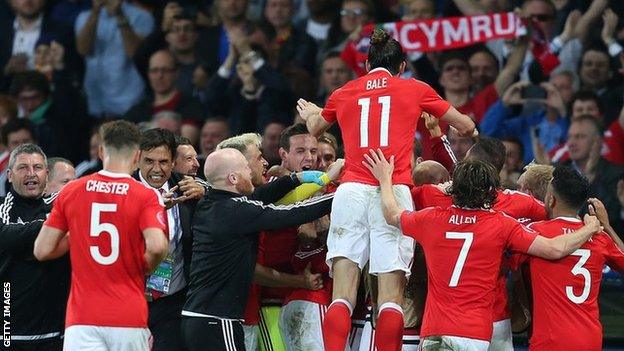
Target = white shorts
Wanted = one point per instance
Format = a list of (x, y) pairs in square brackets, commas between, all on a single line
[(251, 337), (301, 325), (453, 343), (502, 339), (95, 338), (359, 231)]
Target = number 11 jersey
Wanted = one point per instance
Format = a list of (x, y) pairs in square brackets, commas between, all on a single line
[(380, 110), (105, 214)]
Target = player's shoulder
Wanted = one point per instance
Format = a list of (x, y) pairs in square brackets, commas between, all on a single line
[(515, 195), (601, 239)]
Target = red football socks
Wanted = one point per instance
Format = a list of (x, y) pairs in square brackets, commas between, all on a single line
[(337, 325), (389, 329)]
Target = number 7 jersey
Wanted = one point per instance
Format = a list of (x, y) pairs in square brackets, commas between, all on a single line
[(380, 110), (105, 214), (463, 250), (565, 292)]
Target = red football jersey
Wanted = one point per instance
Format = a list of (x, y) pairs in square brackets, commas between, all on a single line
[(277, 247), (520, 206), (513, 203), (565, 292), (380, 110), (315, 256), (463, 249), (105, 214)]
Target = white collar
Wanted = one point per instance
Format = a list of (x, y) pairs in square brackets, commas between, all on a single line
[(164, 187), (37, 26), (113, 174), (379, 69), (569, 219)]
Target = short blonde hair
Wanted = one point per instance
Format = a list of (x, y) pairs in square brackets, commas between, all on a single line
[(241, 142), (536, 179)]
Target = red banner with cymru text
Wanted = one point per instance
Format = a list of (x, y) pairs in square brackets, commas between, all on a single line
[(439, 34)]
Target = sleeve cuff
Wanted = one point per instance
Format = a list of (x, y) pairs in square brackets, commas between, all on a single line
[(615, 49), (224, 72), (257, 64)]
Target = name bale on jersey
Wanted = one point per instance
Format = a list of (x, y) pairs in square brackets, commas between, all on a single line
[(377, 83), (107, 188), (459, 219)]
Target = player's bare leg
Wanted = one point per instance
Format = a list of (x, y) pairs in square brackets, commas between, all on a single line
[(389, 331), (337, 322)]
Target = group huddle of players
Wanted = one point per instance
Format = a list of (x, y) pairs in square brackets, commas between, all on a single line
[(471, 231)]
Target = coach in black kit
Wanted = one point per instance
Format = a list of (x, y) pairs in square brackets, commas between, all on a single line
[(226, 226), (38, 290)]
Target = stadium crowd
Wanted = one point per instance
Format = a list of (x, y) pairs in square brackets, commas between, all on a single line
[(215, 86)]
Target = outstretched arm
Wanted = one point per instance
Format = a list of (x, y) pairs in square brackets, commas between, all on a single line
[(464, 124), (51, 243), (382, 170), (563, 245)]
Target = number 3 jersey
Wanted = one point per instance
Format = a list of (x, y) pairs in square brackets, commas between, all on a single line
[(565, 292), (105, 214), (463, 250), (380, 110)]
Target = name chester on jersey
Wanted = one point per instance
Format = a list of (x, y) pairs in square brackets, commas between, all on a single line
[(108, 188)]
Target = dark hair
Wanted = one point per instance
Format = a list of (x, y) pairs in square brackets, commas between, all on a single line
[(295, 129), (120, 135), (156, 137), (451, 55), (29, 80), (586, 95), (570, 186), (330, 55), (186, 16), (180, 140), (591, 120), (598, 46), (484, 49), (490, 150), (14, 125), (385, 52), (475, 184), (516, 141)]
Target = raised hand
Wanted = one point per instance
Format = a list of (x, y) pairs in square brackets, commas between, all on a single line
[(307, 109), (334, 170), (190, 189), (610, 20)]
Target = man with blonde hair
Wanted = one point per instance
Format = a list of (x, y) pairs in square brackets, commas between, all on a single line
[(535, 179)]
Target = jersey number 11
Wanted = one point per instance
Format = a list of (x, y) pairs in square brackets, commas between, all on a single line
[(364, 103)]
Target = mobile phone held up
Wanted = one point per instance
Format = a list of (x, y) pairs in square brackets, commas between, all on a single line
[(533, 92)]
